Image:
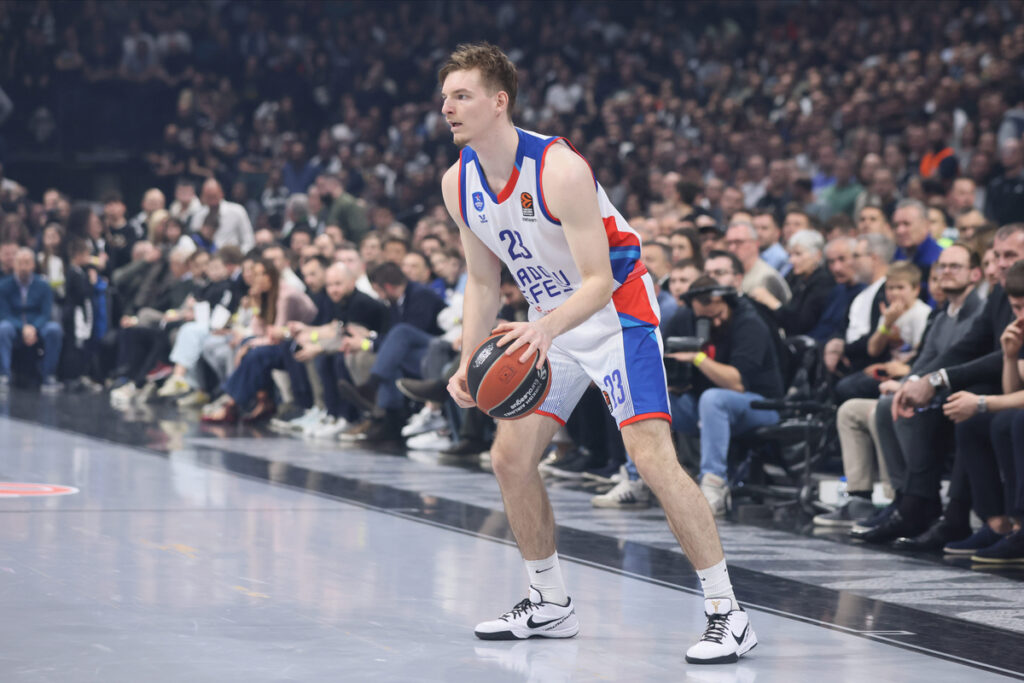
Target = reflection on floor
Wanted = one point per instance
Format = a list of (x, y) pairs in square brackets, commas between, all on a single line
[(296, 565)]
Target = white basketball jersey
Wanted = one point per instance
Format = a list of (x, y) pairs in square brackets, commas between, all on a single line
[(517, 226)]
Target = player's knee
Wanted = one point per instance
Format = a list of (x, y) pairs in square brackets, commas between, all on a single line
[(508, 464)]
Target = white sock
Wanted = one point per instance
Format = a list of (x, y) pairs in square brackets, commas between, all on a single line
[(716, 584), (546, 578)]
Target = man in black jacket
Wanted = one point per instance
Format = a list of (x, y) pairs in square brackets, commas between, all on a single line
[(975, 363), (319, 346), (736, 366), (413, 323)]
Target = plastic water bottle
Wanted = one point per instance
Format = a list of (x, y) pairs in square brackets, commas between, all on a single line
[(842, 495)]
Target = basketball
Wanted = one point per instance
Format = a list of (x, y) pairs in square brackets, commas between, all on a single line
[(503, 387)]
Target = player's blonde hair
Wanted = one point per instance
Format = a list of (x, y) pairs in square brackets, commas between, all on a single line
[(496, 69)]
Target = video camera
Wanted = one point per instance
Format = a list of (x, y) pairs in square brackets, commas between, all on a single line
[(680, 375), (692, 344)]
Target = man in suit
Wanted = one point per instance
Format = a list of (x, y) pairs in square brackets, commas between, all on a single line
[(26, 302), (412, 324)]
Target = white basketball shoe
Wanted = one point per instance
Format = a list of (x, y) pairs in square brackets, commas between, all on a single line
[(532, 618), (727, 637)]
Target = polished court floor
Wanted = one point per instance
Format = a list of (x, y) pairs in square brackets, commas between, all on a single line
[(194, 554)]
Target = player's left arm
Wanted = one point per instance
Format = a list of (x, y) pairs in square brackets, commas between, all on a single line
[(571, 195)]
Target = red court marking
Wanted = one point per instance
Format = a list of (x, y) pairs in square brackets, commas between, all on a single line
[(14, 489)]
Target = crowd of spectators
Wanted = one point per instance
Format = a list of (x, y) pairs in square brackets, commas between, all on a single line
[(293, 256)]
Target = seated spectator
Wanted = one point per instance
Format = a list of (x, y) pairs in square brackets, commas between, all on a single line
[(847, 352), (657, 258), (233, 226), (685, 244), (872, 220), (913, 239), (394, 249), (78, 317), (413, 323), (1005, 195), (274, 304), (186, 204), (320, 350), (742, 240), (903, 315), (841, 196), (26, 303), (51, 258), (810, 284), (738, 365), (216, 303), (417, 269), (839, 259), (144, 339), (450, 268), (983, 438), (867, 438), (1006, 434), (974, 363), (768, 236), (683, 274)]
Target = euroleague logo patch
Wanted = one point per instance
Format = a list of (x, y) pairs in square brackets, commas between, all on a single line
[(526, 199)]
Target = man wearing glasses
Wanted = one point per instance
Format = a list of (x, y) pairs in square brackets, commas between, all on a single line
[(741, 240)]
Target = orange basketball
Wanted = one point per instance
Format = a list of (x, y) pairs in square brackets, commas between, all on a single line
[(503, 387)]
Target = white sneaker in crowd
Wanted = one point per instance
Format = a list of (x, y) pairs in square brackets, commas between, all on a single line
[(122, 396), (727, 637), (310, 418), (532, 618), (427, 420), (429, 441), (624, 495), (330, 428), (174, 387), (716, 490), (196, 399)]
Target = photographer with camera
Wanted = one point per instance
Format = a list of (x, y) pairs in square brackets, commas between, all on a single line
[(732, 362)]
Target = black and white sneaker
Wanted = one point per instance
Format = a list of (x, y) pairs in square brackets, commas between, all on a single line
[(727, 637), (532, 618)]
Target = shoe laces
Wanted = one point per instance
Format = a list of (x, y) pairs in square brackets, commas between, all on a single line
[(718, 627), (524, 606)]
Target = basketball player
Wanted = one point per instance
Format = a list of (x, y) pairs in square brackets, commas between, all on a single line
[(533, 202)]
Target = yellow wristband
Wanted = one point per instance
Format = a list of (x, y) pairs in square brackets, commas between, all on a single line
[(699, 358), (366, 345), (314, 336), (883, 328)]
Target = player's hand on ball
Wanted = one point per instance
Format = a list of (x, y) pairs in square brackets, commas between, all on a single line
[(533, 336), (459, 390)]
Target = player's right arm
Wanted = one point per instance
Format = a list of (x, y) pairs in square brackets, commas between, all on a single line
[(483, 289)]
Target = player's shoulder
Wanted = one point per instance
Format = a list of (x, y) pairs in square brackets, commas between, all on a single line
[(564, 166), (450, 179)]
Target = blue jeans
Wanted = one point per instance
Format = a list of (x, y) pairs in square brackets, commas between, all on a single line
[(51, 335), (253, 373), (716, 416), (400, 355)]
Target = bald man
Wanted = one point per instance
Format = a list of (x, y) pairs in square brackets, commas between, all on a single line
[(234, 226), (321, 348), (26, 303)]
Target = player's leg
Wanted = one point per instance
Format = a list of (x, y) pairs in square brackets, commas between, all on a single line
[(649, 444), (728, 635), (515, 454), (547, 611)]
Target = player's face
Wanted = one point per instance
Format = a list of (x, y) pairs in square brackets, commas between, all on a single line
[(467, 106)]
